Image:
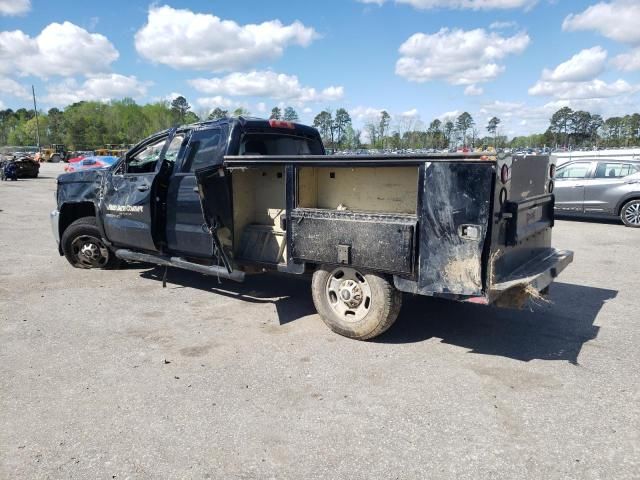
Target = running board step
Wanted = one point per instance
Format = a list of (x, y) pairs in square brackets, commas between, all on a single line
[(178, 262)]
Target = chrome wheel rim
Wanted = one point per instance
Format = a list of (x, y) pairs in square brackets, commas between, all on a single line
[(89, 251), (632, 214), (348, 294)]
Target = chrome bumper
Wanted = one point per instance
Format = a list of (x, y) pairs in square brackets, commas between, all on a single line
[(54, 216)]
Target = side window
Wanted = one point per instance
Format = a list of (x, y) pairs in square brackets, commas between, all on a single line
[(203, 148), (612, 170), (145, 160), (174, 149), (575, 170)]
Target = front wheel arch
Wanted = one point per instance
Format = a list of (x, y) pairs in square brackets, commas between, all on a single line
[(623, 214), (70, 212)]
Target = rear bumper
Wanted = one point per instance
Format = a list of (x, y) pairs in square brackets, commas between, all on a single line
[(538, 273)]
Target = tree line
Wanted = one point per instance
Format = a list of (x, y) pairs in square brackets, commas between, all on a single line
[(89, 125)]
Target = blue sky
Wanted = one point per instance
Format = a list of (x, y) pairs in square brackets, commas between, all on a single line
[(419, 59)]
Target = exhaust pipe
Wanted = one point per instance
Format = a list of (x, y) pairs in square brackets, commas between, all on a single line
[(178, 262)]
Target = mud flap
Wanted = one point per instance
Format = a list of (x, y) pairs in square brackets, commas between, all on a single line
[(216, 203)]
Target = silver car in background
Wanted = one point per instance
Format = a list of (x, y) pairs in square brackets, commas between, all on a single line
[(599, 189)]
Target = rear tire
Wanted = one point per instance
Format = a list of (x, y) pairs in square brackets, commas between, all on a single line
[(630, 214), (83, 247), (355, 303), (55, 158)]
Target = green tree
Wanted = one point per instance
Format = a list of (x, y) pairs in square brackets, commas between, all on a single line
[(341, 122), (434, 134), (324, 123), (290, 115), (383, 126), (463, 123), (180, 107), (449, 128), (492, 128), (217, 113), (241, 112), (276, 114)]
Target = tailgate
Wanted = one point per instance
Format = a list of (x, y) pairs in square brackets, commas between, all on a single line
[(521, 254)]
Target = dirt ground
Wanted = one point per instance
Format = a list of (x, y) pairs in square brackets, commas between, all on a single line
[(105, 374)]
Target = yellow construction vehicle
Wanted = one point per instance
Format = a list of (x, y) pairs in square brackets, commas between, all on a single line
[(54, 153)]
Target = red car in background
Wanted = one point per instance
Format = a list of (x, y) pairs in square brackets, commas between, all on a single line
[(88, 163)]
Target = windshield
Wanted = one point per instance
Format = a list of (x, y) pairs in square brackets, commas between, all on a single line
[(278, 144)]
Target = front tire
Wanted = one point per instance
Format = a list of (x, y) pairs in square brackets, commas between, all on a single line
[(355, 303), (83, 247), (630, 214)]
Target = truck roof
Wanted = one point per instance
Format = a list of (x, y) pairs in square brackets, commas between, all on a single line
[(258, 123)]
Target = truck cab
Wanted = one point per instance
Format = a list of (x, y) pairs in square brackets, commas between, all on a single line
[(149, 200)]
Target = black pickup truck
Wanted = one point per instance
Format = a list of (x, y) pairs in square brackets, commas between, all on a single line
[(242, 196)]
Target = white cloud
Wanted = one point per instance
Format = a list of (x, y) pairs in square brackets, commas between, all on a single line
[(101, 87), (584, 65), (461, 4), (503, 25), (582, 90), (617, 20), (181, 38), (365, 114), (261, 107), (266, 83), (413, 113), (62, 49), (457, 56), (9, 86), (211, 103), (452, 115), (14, 7), (629, 61), (473, 90)]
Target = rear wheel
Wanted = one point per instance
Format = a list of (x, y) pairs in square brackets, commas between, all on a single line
[(83, 247), (355, 303), (55, 158), (630, 214)]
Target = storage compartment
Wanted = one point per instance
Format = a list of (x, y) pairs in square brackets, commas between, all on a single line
[(376, 241), (258, 204), (359, 189)]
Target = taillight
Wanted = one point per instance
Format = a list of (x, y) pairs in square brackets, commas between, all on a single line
[(552, 171), (505, 174), (273, 123)]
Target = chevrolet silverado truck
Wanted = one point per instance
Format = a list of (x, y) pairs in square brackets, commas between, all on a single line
[(242, 196)]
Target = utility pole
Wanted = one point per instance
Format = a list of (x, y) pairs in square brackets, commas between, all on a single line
[(35, 109)]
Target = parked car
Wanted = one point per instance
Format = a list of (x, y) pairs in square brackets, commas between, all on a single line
[(599, 189), (25, 166)]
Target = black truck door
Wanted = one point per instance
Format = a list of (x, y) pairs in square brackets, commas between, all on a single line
[(216, 202), (187, 232), (131, 196)]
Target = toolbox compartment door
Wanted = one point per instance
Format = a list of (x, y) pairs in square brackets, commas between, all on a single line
[(375, 241), (454, 217)]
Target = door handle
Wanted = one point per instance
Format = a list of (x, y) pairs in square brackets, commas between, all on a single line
[(196, 190), (577, 186), (143, 188)]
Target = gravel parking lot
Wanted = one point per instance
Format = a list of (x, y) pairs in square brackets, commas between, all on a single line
[(105, 374)]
